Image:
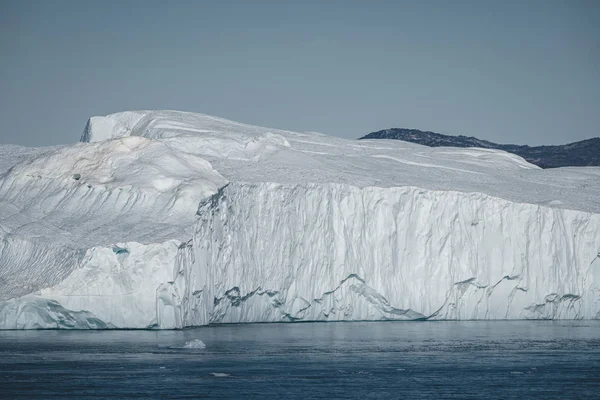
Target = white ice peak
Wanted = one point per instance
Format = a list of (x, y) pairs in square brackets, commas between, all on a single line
[(168, 219)]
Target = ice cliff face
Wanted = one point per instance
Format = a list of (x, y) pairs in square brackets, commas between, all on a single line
[(276, 252), (168, 219)]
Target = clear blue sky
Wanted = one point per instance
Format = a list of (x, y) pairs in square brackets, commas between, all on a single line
[(509, 71)]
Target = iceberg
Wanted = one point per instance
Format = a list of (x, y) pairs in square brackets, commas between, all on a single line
[(165, 219)]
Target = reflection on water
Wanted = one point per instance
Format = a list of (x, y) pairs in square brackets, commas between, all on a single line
[(514, 359)]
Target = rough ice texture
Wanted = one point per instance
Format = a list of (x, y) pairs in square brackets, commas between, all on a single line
[(167, 219), (277, 252)]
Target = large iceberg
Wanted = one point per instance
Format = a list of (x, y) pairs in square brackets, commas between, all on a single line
[(164, 219)]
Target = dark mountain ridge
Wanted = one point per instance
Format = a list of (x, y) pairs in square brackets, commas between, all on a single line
[(577, 154)]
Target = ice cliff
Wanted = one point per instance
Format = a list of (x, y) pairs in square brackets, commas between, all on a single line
[(166, 219)]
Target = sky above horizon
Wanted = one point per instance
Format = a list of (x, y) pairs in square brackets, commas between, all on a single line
[(523, 72)]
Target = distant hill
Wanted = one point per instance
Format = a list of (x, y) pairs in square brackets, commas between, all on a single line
[(577, 154)]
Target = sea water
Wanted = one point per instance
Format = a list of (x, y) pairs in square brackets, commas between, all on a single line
[(370, 360)]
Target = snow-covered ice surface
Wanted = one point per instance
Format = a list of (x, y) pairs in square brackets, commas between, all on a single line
[(167, 219)]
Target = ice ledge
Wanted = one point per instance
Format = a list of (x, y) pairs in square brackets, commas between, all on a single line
[(33, 312)]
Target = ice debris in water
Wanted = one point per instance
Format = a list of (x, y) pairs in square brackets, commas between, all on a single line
[(194, 344), (219, 374)]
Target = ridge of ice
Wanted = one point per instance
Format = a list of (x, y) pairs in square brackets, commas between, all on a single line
[(165, 219)]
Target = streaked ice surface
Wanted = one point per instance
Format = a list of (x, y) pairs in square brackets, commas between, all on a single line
[(466, 359)]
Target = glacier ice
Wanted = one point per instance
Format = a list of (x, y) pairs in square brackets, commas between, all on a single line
[(276, 252), (164, 219)]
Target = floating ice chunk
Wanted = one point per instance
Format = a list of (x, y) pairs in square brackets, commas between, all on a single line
[(219, 374), (194, 344)]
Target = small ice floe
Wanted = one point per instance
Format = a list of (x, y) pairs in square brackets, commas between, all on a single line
[(219, 374), (194, 344), (343, 371)]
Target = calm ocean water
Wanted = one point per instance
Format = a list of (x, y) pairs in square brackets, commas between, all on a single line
[(390, 360)]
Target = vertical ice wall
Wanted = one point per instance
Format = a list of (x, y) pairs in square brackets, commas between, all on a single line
[(273, 252)]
